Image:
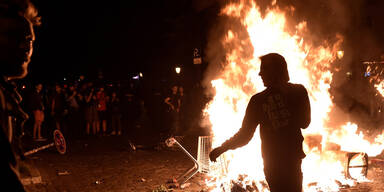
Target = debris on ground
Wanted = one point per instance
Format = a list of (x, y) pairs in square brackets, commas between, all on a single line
[(379, 162), (132, 146), (172, 183), (61, 173), (173, 186), (185, 185), (162, 188), (98, 182), (173, 180), (31, 180)]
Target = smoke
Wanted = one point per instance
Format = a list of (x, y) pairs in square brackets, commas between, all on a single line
[(326, 20), (216, 52)]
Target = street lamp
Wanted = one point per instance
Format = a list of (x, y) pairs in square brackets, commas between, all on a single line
[(178, 69), (340, 54)]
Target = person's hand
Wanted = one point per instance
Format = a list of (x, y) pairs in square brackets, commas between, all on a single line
[(215, 153)]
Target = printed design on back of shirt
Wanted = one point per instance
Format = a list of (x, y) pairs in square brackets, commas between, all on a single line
[(277, 112)]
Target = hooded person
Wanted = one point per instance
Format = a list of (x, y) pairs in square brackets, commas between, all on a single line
[(281, 110)]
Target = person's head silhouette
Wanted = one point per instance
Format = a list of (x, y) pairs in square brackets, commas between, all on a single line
[(17, 18), (273, 69)]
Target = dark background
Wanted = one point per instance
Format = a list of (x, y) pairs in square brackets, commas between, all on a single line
[(123, 38), (120, 39)]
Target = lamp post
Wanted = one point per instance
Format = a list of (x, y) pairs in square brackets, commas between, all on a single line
[(178, 70)]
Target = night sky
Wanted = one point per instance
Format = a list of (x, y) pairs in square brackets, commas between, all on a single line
[(121, 38)]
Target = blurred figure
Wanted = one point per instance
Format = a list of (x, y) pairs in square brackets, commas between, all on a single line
[(80, 97), (130, 109), (282, 110), (102, 109), (58, 108), (172, 103), (131, 113), (71, 98), (182, 98), (115, 114), (37, 108), (91, 115), (16, 45), (73, 111)]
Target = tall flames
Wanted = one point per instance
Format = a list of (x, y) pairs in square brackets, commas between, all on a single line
[(308, 64)]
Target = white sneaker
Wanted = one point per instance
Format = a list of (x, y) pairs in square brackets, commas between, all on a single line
[(132, 146)]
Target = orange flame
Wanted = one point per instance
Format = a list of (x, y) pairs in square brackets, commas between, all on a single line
[(308, 65), (380, 88)]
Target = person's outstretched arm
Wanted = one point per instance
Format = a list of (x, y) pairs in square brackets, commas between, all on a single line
[(243, 136)]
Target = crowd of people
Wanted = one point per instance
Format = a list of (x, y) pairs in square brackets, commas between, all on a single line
[(87, 108)]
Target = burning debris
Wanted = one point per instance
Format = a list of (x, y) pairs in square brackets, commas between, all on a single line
[(244, 185)]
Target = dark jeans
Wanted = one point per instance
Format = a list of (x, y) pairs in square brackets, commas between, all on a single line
[(283, 175), (173, 123), (116, 122)]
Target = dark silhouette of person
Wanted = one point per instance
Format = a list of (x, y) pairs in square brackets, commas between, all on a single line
[(282, 110), (172, 110), (37, 107), (17, 18), (59, 108)]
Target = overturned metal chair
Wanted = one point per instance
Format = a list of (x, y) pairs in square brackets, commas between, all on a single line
[(201, 164)]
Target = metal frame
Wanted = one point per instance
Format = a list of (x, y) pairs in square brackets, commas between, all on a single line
[(365, 166), (190, 172)]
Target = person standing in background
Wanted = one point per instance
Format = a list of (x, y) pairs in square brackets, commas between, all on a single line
[(102, 109), (114, 106), (37, 108)]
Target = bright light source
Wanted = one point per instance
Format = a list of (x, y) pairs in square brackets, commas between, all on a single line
[(340, 54), (23, 86), (178, 69), (141, 74), (135, 77), (65, 79)]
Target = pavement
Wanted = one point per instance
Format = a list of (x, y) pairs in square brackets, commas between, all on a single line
[(110, 164)]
